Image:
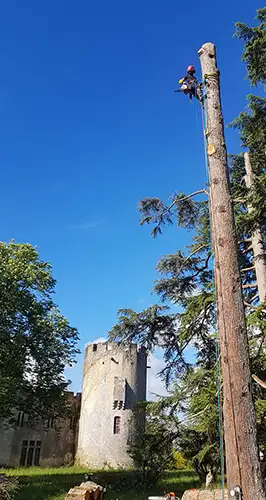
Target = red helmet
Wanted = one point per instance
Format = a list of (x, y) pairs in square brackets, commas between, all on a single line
[(191, 69)]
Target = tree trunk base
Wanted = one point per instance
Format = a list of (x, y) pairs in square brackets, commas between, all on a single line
[(86, 491)]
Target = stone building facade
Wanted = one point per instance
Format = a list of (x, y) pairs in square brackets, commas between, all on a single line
[(45, 443), (114, 379)]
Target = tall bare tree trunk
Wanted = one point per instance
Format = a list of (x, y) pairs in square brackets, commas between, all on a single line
[(256, 239), (242, 462)]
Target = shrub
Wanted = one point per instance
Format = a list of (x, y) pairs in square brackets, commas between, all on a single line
[(179, 461), (8, 487), (152, 453)]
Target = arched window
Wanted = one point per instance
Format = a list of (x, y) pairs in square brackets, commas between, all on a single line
[(117, 422)]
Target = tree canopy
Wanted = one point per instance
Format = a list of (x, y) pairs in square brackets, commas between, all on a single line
[(36, 341), (254, 54)]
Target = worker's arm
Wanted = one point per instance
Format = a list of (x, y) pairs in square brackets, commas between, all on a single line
[(181, 81)]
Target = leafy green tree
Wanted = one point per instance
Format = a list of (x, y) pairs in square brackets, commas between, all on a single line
[(254, 54), (36, 341), (252, 126), (152, 453), (186, 279), (179, 461)]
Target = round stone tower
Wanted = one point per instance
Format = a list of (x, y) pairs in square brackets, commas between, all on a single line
[(114, 380)]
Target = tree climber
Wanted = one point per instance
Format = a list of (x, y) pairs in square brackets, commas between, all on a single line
[(189, 85)]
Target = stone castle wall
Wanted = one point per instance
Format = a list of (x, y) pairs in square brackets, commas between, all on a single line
[(114, 379), (57, 440)]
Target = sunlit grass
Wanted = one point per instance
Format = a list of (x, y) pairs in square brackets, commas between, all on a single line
[(53, 483)]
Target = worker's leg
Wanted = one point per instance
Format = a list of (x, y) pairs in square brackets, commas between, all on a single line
[(192, 92), (199, 93)]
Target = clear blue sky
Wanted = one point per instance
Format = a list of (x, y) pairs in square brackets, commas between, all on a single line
[(90, 125)]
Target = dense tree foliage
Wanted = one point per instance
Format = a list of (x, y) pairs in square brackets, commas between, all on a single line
[(186, 280), (152, 452), (36, 341), (254, 54)]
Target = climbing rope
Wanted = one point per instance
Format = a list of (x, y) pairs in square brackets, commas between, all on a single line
[(217, 350), (197, 120)]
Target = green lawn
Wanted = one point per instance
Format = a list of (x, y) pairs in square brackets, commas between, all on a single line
[(52, 484)]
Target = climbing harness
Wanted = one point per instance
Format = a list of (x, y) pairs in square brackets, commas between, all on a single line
[(192, 87), (187, 89)]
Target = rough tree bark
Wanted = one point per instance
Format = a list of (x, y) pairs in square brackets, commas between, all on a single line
[(242, 462), (256, 239)]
